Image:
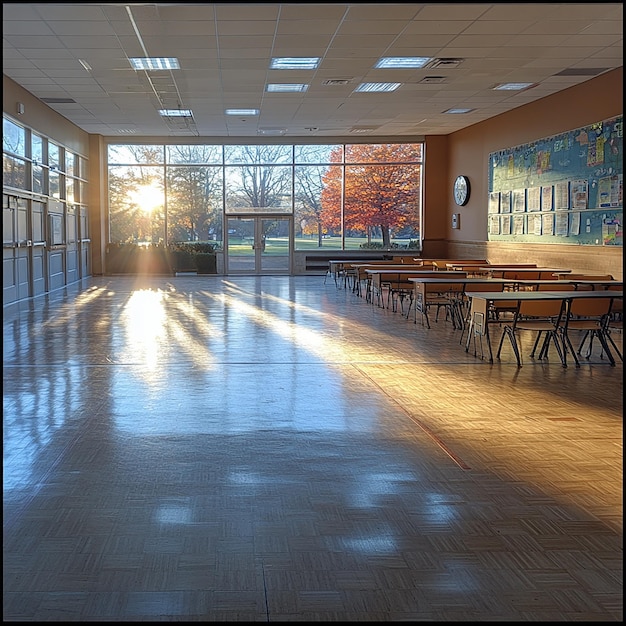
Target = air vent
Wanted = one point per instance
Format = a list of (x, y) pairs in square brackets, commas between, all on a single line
[(358, 130), (433, 79), (58, 100), (337, 81), (444, 63)]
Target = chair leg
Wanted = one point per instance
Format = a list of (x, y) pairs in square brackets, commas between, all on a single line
[(560, 350), (610, 340), (588, 335), (536, 344), (511, 335), (605, 346), (567, 345)]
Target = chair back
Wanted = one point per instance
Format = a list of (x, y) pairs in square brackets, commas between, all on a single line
[(564, 286), (590, 307), (540, 308)]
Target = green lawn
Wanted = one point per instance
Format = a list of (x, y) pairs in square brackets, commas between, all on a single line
[(279, 245)]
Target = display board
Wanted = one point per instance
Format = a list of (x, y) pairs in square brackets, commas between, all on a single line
[(562, 189)]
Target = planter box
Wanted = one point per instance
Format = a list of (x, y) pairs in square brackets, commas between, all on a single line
[(182, 261), (206, 262), (133, 259)]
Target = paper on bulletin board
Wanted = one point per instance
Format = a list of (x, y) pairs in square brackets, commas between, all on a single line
[(560, 227), (494, 224), (547, 224), (533, 198), (534, 224), (580, 194), (494, 202), (612, 234), (610, 191)]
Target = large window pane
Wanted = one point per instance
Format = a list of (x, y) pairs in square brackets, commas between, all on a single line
[(119, 154), (258, 189), (36, 148), (38, 174), (381, 206), (136, 204), (317, 217), (194, 204), (317, 154), (194, 155), (13, 138), (70, 162), (54, 184), (381, 202), (70, 186), (54, 155), (13, 172), (384, 153), (257, 155)]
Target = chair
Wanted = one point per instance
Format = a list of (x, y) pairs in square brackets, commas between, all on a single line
[(590, 316), (441, 295), (493, 317), (540, 316), (614, 322)]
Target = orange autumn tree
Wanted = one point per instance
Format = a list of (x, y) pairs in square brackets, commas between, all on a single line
[(381, 191)]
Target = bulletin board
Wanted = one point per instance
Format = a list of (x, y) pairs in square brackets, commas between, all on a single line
[(565, 189)]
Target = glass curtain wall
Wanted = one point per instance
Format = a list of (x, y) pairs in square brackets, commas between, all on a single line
[(341, 197)]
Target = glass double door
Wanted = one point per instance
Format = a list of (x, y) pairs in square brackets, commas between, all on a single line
[(259, 244)]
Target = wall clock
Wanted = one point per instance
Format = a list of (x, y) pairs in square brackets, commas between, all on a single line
[(461, 190)]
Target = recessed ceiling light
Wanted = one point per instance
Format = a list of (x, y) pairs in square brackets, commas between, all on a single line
[(295, 63), (242, 111), (154, 63), (175, 112), (286, 88), (513, 86), (394, 63), (271, 131), (85, 65), (377, 87), (456, 111)]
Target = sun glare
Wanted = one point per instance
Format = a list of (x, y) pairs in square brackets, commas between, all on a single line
[(147, 197)]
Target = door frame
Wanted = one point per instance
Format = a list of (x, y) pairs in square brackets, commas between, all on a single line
[(258, 260)]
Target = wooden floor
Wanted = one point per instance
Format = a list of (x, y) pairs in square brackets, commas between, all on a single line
[(273, 449)]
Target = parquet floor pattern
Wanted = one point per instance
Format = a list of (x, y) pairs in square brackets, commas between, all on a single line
[(277, 449)]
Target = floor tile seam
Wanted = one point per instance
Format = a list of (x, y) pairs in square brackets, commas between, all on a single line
[(423, 426)]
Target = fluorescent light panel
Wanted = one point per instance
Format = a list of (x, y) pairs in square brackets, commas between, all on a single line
[(513, 86), (295, 63), (286, 88), (377, 87), (175, 112), (458, 111), (242, 111), (154, 63), (402, 63)]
